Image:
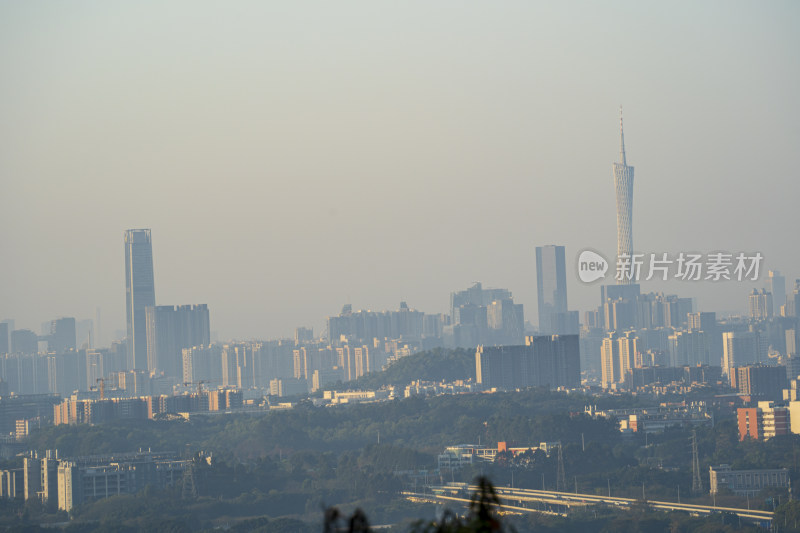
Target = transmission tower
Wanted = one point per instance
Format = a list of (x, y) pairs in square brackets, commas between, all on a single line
[(561, 483), (697, 482), (189, 491)]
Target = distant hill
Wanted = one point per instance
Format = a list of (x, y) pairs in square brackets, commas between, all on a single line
[(433, 365)]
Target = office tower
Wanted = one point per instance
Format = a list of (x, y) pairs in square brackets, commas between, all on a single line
[(551, 285), (62, 335), (777, 286), (623, 184), (139, 293), (4, 337), (760, 304), (170, 329)]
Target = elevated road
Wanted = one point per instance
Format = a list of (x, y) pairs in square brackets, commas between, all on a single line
[(561, 503)]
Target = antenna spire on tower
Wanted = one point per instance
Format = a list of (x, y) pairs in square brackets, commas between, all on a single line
[(621, 140)]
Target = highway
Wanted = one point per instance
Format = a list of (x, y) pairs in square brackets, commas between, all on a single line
[(560, 503)]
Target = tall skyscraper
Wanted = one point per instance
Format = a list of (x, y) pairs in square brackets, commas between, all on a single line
[(623, 183), (777, 286), (139, 293), (551, 285)]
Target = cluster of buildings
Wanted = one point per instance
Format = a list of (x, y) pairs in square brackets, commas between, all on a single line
[(64, 483), (477, 316), (81, 410), (460, 455), (774, 407), (656, 419), (690, 339)]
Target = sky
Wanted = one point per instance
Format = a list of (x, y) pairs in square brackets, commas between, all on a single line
[(291, 157)]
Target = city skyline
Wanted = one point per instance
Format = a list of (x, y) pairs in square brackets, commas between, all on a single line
[(383, 233), (270, 166)]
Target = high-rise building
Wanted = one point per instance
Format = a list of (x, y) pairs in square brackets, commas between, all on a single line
[(470, 318), (170, 329), (739, 348), (139, 293), (542, 362), (619, 353), (689, 348), (551, 286), (4, 337), (623, 184), (506, 321), (24, 341), (202, 363), (792, 307), (777, 286), (762, 382), (62, 335), (705, 321), (760, 304)]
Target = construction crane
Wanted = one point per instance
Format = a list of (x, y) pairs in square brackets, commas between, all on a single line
[(102, 383), (199, 385)]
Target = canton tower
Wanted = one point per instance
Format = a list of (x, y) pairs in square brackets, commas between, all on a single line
[(623, 183)]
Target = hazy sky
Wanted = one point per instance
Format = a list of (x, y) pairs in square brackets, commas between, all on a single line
[(294, 156)]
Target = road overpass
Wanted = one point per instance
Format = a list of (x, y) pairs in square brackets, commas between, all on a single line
[(561, 503)]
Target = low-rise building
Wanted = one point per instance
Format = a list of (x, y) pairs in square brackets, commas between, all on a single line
[(746, 482), (336, 397), (465, 454), (656, 419)]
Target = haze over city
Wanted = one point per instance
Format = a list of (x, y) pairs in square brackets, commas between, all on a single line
[(293, 158), (419, 266)]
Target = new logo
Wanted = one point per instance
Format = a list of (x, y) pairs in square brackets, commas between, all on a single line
[(591, 266)]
